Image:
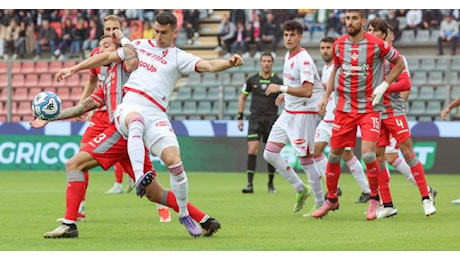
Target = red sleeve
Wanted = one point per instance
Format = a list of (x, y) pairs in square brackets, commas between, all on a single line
[(335, 46), (98, 96), (94, 72), (403, 83)]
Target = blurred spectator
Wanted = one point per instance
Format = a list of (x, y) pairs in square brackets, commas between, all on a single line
[(238, 15), (146, 14), (136, 32), (11, 36), (226, 34), (131, 14), (78, 35), (126, 28), (371, 14), (432, 18), (20, 43), (448, 33), (414, 19), (401, 13), (192, 24), (93, 33), (47, 36), (31, 40), (394, 23), (241, 40), (271, 34), (2, 40), (148, 33), (66, 38), (255, 34)]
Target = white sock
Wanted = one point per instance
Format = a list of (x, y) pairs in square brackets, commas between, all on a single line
[(118, 185), (321, 163), (81, 208), (358, 173), (179, 185), (314, 179), (401, 166), (136, 150), (283, 167)]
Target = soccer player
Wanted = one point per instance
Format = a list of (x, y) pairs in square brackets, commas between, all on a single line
[(394, 123), (359, 85), (142, 118), (109, 147), (296, 124), (324, 129), (264, 112)]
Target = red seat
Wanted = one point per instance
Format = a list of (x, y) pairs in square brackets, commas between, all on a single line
[(54, 67), (24, 108), (73, 81), (66, 104), (2, 118), (57, 27), (2, 109), (16, 67), (41, 67), (20, 94), (17, 81), (3, 67), (59, 84), (33, 92), (27, 118), (63, 93), (69, 63), (16, 118), (3, 94), (45, 81), (84, 78), (28, 67), (75, 93), (3, 80), (31, 80)]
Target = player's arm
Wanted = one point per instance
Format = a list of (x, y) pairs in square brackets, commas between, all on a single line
[(329, 88), (398, 67), (305, 91), (89, 87), (241, 104), (219, 64), (452, 105)]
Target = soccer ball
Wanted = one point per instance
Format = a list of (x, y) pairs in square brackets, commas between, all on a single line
[(46, 105)]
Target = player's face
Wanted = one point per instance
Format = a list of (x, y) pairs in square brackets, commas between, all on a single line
[(377, 33), (266, 64), (291, 39), (354, 23), (110, 26), (106, 45), (164, 34), (390, 37), (325, 49)]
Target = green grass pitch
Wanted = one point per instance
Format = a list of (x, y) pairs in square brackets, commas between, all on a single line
[(31, 201)]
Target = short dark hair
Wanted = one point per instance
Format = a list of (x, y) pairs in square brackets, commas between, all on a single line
[(293, 25), (362, 12), (166, 18), (109, 36), (379, 24), (266, 54), (328, 39)]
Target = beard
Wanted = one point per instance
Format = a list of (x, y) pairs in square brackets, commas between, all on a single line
[(352, 31)]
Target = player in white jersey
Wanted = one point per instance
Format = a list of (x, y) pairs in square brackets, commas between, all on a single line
[(142, 118), (302, 90), (324, 131)]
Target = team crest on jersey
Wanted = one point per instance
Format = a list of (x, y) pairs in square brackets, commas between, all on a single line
[(306, 63), (292, 65), (386, 45), (354, 56), (263, 86)]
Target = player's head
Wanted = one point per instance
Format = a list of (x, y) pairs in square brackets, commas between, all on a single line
[(292, 34), (165, 29), (378, 27), (106, 43), (266, 62), (111, 23), (325, 48), (355, 19), (390, 35)]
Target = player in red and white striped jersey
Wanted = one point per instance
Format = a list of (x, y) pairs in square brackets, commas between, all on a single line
[(296, 125), (394, 124), (359, 85)]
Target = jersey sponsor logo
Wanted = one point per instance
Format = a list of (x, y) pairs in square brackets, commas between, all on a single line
[(349, 69), (147, 66), (299, 141), (154, 56), (292, 65), (161, 123), (306, 63)]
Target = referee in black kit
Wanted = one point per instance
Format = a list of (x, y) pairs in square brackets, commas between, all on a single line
[(264, 113)]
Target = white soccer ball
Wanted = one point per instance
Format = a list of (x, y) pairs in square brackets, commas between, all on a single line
[(46, 105)]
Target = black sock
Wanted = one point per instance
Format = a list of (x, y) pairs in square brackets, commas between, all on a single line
[(72, 225), (388, 205), (252, 160), (425, 198), (271, 173)]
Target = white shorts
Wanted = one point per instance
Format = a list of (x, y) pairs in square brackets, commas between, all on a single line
[(392, 147), (298, 129), (158, 132), (323, 133)]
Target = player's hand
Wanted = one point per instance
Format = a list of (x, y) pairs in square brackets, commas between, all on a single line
[(272, 88), (322, 105), (240, 125), (63, 74), (378, 92), (236, 60), (117, 34), (445, 113), (38, 123), (279, 100), (90, 115)]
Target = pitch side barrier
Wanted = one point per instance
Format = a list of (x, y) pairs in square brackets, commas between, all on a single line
[(206, 146)]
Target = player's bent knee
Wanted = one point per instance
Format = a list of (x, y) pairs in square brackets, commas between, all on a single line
[(334, 158), (82, 161), (369, 157)]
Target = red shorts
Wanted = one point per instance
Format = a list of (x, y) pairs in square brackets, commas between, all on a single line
[(397, 127), (110, 147), (345, 127), (98, 124)]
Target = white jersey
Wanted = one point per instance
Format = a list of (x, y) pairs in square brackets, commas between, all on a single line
[(158, 71), (326, 73), (298, 69)]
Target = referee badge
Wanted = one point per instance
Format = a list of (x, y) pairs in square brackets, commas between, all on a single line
[(254, 86), (263, 86)]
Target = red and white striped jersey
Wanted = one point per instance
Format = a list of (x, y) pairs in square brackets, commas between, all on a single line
[(298, 69), (360, 69), (101, 73)]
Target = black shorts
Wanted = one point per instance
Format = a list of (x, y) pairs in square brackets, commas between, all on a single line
[(259, 127)]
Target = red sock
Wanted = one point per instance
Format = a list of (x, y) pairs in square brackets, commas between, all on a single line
[(194, 212), (118, 169), (332, 179), (384, 185), (372, 171), (75, 192), (86, 175), (419, 175)]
